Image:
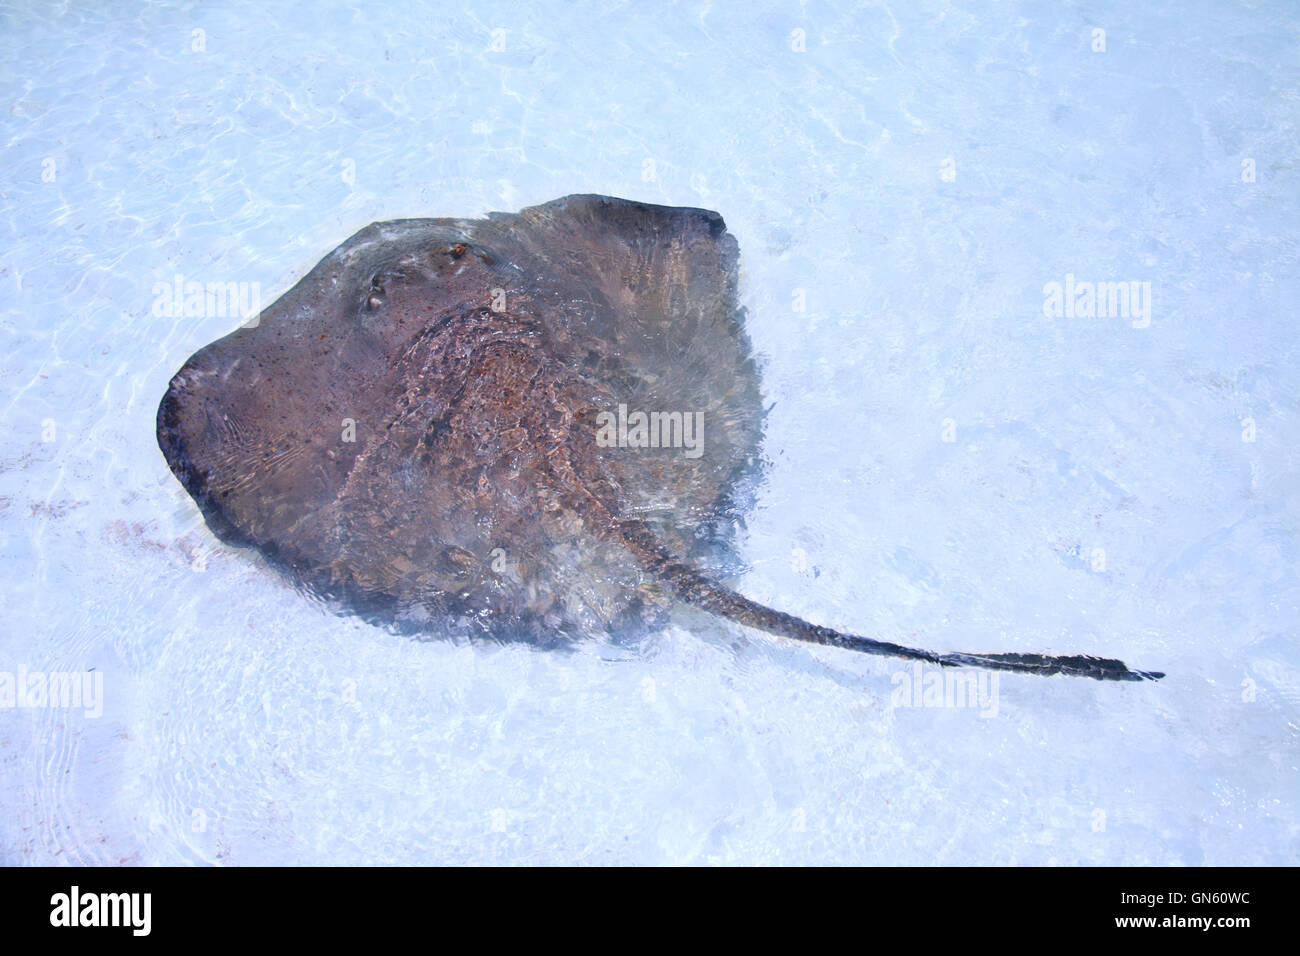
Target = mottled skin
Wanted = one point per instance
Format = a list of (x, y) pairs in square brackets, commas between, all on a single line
[(475, 428), (469, 359)]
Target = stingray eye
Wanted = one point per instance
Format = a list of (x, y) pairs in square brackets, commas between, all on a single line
[(376, 296)]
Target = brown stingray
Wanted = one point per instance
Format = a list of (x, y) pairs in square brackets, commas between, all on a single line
[(437, 428)]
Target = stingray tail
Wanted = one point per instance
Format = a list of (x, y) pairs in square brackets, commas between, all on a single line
[(695, 589)]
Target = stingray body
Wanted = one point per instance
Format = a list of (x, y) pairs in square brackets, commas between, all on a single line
[(534, 426)]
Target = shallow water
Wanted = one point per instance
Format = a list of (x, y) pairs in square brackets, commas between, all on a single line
[(949, 467)]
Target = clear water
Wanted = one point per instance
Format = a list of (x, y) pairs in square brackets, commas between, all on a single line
[(1098, 494)]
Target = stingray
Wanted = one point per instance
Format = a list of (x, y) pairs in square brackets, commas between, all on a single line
[(540, 426)]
